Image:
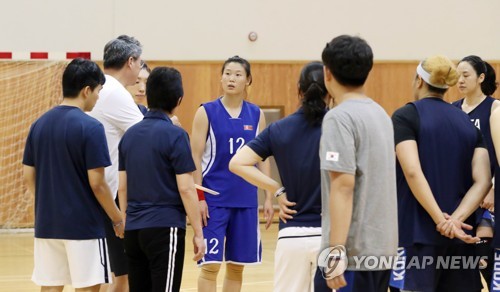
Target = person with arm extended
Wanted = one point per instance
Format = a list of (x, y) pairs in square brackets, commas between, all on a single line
[(300, 196)]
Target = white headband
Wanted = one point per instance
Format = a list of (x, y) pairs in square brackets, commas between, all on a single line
[(426, 77)]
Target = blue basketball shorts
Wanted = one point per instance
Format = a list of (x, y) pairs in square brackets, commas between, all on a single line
[(233, 235)]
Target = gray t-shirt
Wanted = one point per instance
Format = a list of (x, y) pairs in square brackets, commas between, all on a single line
[(357, 138)]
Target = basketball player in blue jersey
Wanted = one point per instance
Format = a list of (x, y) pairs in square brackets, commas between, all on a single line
[(477, 82), (299, 236), (221, 128), (443, 175)]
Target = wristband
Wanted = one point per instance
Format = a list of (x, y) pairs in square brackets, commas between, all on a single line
[(279, 192), (201, 195)]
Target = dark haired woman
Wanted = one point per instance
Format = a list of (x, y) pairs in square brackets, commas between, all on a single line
[(220, 129), (289, 141), (477, 82)]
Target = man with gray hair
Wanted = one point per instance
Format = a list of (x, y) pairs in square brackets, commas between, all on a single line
[(117, 111)]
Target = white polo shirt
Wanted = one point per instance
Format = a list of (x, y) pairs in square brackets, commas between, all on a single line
[(117, 111)]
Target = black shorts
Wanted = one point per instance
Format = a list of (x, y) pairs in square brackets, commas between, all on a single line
[(116, 250), (156, 257)]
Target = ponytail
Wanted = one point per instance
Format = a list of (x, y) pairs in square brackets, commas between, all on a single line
[(313, 103), (489, 84), (313, 91)]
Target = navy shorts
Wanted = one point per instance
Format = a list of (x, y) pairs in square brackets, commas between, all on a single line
[(357, 281), (239, 227), (441, 268)]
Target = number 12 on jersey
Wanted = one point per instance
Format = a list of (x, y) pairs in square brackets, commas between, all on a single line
[(239, 143)]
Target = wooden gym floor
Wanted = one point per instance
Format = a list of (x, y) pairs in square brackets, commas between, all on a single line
[(16, 264)]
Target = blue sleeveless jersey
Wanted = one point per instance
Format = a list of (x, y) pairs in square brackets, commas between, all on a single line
[(227, 135), (446, 144), (480, 117)]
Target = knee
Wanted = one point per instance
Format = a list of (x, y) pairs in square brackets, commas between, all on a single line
[(234, 272), (120, 283), (210, 271)]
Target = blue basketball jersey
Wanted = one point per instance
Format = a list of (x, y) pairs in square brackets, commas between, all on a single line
[(480, 117), (446, 144), (227, 135)]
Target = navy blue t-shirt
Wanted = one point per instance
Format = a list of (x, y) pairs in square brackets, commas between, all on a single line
[(143, 109), (294, 143), (446, 142), (63, 144), (153, 152), (480, 117)]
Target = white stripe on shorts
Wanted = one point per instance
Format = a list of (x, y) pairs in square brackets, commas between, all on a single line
[(103, 250), (171, 259), (258, 239)]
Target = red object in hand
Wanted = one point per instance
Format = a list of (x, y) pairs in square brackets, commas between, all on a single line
[(201, 195)]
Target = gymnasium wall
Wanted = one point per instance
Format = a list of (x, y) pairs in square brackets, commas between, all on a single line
[(275, 84), (287, 29), (32, 88), (195, 36)]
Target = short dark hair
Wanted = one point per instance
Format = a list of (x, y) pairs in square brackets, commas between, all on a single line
[(164, 88), (118, 51), (81, 73), (243, 62), (349, 59), (489, 84)]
